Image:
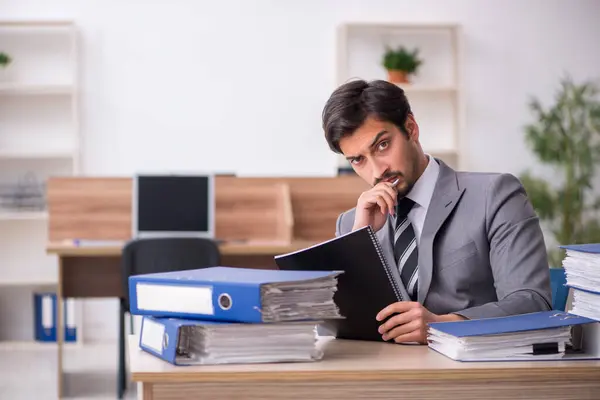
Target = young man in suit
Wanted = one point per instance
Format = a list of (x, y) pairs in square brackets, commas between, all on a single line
[(467, 245)]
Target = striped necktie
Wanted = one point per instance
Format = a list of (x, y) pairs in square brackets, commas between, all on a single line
[(405, 248)]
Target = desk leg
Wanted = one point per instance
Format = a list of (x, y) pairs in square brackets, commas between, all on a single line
[(59, 327), (144, 391)]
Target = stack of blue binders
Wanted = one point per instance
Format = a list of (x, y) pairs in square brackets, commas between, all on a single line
[(582, 270), (223, 315)]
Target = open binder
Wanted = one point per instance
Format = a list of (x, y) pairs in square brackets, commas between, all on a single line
[(367, 275)]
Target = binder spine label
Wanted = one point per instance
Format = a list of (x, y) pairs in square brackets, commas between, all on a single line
[(175, 298), (70, 313), (47, 312), (153, 334)]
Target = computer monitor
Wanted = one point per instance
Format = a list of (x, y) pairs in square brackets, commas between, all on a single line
[(173, 206)]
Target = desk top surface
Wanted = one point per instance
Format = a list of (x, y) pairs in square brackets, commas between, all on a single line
[(113, 248), (357, 360)]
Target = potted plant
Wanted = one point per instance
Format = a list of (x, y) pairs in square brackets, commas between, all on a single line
[(566, 137), (4, 59), (400, 63)]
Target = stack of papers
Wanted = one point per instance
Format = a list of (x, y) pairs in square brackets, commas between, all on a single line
[(582, 269), (586, 304), (211, 342), (542, 335), (293, 301)]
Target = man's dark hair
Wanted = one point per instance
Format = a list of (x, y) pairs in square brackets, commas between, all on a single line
[(353, 102)]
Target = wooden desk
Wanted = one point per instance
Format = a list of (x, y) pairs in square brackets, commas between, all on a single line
[(95, 271), (233, 248), (366, 370)]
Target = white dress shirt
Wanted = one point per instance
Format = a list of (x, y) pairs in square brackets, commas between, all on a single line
[(421, 194)]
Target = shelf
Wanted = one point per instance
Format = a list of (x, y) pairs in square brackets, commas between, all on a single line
[(420, 88), (22, 89), (434, 93), (35, 154), (22, 215), (25, 283), (387, 26), (36, 23), (26, 345), (39, 138)]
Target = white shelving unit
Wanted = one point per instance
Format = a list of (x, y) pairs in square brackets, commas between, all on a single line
[(39, 137), (435, 93)]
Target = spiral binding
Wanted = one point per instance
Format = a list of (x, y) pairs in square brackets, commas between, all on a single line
[(385, 264)]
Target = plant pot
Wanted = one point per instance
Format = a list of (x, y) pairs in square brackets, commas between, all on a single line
[(397, 76)]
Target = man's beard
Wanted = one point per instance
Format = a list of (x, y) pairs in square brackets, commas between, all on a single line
[(405, 190), (389, 176)]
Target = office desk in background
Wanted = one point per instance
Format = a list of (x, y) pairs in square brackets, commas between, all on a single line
[(366, 370)]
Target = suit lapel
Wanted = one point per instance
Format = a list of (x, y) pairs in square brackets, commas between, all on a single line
[(446, 196)]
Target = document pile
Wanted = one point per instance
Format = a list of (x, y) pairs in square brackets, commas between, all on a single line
[(582, 269), (224, 315), (534, 336)]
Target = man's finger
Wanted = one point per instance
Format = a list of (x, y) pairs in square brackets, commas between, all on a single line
[(414, 336), (396, 320), (398, 331), (383, 205), (399, 307), (391, 190), (390, 201)]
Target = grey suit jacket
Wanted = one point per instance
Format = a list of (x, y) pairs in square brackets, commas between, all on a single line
[(481, 253)]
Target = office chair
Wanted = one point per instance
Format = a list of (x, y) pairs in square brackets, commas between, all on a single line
[(143, 256)]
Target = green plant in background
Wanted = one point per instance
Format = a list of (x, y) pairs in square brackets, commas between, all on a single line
[(566, 136), (400, 63), (402, 59), (4, 59)]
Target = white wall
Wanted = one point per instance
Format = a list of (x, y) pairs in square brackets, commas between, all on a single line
[(222, 84)]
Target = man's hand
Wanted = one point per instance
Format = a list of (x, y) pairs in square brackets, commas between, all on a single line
[(410, 322), (374, 205)]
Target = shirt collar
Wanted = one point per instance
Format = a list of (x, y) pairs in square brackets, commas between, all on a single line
[(422, 191)]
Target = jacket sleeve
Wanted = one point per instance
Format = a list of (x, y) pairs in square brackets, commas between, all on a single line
[(517, 253)]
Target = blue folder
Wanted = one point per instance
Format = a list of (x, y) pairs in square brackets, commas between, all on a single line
[(160, 337), (195, 342), (216, 293), (544, 335), (593, 248), (510, 324), (45, 314)]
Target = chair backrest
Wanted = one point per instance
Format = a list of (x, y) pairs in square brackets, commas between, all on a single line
[(560, 291), (144, 256)]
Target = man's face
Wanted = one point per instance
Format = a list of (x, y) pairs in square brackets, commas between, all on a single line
[(378, 151)]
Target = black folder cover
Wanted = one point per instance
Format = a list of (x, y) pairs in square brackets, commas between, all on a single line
[(365, 288)]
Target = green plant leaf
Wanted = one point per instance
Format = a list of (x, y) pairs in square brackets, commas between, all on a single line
[(590, 232), (555, 257), (402, 59), (566, 135), (542, 198), (5, 59)]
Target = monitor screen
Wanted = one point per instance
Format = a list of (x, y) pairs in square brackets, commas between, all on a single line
[(173, 205)]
